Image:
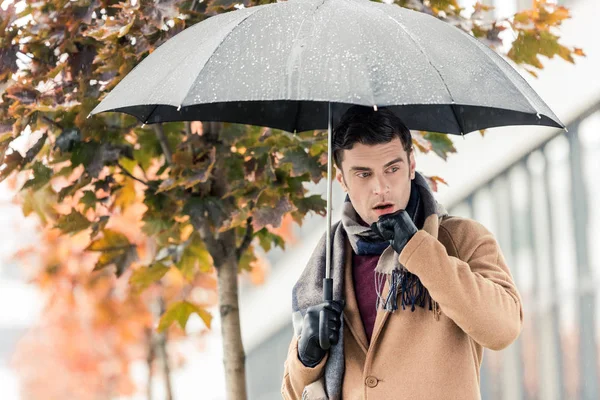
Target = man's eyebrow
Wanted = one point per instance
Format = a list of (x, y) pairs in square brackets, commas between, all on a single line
[(399, 159), (358, 168)]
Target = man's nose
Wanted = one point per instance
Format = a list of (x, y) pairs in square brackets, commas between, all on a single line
[(380, 186)]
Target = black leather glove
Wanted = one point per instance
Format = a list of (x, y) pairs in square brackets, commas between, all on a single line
[(309, 350), (397, 228)]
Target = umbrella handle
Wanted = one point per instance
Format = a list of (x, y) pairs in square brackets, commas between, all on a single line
[(323, 320)]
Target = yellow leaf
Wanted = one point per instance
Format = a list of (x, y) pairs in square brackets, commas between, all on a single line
[(146, 276), (126, 194), (180, 312)]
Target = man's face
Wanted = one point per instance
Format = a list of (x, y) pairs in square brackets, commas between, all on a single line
[(377, 178)]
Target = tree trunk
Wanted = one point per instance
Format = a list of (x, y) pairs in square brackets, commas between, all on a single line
[(162, 349), (233, 349), (150, 361)]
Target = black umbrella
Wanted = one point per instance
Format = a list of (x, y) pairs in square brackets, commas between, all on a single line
[(299, 64)]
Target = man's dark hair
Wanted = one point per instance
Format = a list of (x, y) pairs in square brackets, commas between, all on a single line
[(364, 125)]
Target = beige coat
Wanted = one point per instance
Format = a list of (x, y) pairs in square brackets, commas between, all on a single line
[(424, 354)]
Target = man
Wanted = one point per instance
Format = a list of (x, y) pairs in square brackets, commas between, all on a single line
[(419, 294)]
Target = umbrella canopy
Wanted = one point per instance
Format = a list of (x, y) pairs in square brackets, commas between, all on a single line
[(281, 64)]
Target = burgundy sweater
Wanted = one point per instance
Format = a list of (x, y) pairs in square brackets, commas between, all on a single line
[(363, 268)]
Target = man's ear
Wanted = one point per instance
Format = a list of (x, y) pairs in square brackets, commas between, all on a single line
[(413, 164), (340, 177)]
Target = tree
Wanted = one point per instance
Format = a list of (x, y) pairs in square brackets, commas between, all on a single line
[(211, 193)]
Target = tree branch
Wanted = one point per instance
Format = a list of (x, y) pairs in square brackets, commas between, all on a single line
[(162, 138), (210, 241), (59, 126), (131, 175), (246, 241)]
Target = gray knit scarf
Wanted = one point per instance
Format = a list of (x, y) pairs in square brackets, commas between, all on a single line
[(308, 291)]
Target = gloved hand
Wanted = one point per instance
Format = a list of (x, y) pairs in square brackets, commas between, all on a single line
[(397, 228), (309, 350)]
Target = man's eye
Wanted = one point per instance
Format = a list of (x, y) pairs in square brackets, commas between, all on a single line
[(363, 175), (394, 169)]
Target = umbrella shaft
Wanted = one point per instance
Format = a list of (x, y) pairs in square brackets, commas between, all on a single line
[(329, 184)]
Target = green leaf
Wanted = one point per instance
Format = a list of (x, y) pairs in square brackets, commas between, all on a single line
[(116, 249), (440, 143), (35, 149), (89, 199), (246, 260), (10, 162), (194, 257), (81, 182), (180, 312), (68, 139), (266, 239), (41, 176), (314, 203), (146, 276), (99, 225), (73, 223), (210, 209), (302, 163)]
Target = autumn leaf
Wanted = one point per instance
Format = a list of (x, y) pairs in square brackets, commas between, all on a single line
[(180, 312), (35, 149), (271, 214), (433, 182), (143, 277), (115, 249), (125, 195), (441, 144), (195, 257), (301, 163), (73, 223), (41, 176)]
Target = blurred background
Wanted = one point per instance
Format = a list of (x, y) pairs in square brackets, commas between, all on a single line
[(536, 189)]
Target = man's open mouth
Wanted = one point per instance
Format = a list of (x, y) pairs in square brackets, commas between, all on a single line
[(383, 206)]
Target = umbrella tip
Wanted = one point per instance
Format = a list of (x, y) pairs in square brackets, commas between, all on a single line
[(89, 115), (143, 126), (566, 130), (538, 115), (179, 108), (375, 107)]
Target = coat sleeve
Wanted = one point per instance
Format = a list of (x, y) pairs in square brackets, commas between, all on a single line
[(478, 294), (296, 376)]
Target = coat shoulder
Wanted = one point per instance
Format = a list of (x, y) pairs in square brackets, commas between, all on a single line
[(461, 235)]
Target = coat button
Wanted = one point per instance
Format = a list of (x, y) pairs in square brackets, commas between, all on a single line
[(371, 381)]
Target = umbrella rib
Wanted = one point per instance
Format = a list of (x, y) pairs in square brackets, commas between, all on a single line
[(362, 54), (259, 8), (479, 44), (422, 50), (151, 112)]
